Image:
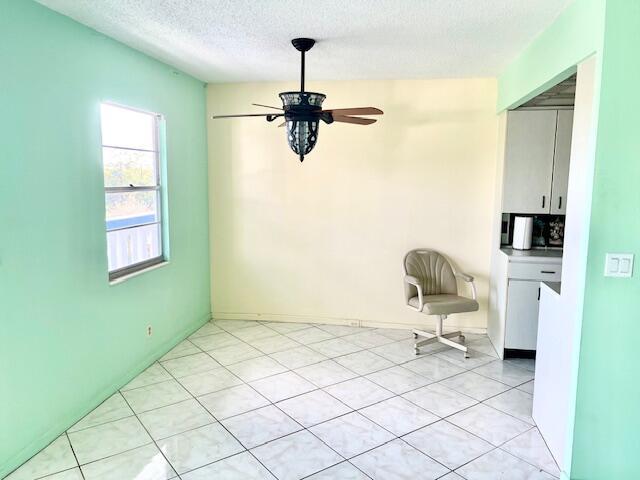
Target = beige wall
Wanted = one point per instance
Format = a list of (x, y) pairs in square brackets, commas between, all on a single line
[(324, 240)]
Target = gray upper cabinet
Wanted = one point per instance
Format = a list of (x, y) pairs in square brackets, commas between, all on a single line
[(534, 138), (528, 167), (561, 162)]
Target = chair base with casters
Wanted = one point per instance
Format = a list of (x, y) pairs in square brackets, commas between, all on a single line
[(438, 336), (431, 288)]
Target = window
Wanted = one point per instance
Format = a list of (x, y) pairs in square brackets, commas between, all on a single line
[(130, 157)]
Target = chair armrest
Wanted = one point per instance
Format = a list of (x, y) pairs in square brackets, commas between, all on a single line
[(469, 279), (411, 280), (464, 276)]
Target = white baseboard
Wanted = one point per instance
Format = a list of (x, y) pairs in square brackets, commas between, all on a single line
[(354, 322)]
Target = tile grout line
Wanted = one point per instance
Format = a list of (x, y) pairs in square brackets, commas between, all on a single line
[(48, 475), (98, 406), (508, 453), (364, 376), (227, 430), (189, 430), (547, 447), (478, 402), (335, 465), (394, 394), (395, 437), (305, 428), (153, 440), (287, 335), (37, 453), (134, 414), (316, 389), (74, 453), (500, 447), (332, 358)]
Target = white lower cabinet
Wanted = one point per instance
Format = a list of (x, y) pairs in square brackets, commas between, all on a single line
[(515, 298), (523, 301)]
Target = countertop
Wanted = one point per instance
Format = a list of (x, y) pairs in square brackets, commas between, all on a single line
[(555, 286), (533, 255)]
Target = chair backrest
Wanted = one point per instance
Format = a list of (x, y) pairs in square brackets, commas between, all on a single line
[(432, 270)]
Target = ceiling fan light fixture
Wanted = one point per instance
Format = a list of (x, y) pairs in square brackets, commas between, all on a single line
[(302, 120), (302, 111)]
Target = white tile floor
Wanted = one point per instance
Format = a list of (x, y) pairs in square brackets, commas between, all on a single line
[(242, 400)]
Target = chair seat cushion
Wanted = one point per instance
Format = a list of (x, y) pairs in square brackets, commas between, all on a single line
[(445, 304)]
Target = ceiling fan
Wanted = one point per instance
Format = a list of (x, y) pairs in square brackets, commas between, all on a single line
[(302, 111)]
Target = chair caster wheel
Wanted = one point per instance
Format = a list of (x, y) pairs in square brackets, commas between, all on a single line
[(466, 355), (416, 351), (462, 338), (415, 336)]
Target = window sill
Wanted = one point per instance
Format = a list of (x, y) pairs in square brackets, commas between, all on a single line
[(124, 278)]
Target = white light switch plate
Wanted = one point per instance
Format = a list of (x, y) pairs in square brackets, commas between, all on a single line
[(618, 265)]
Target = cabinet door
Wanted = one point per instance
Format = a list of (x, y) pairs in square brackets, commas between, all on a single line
[(523, 300), (528, 166), (561, 162)]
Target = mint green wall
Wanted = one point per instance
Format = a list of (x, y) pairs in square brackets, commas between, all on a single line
[(575, 35), (606, 441), (68, 338), (607, 423)]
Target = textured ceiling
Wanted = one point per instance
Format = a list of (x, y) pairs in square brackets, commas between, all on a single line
[(241, 40), (562, 94)]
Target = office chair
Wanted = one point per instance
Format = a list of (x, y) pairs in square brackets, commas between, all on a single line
[(431, 288)]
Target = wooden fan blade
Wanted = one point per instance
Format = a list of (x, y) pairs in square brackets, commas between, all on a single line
[(356, 120), (356, 111), (266, 106), (249, 115)]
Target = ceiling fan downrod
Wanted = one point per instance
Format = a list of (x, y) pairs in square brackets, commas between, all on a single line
[(303, 45)]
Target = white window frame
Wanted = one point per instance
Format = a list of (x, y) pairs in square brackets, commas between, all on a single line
[(151, 262)]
